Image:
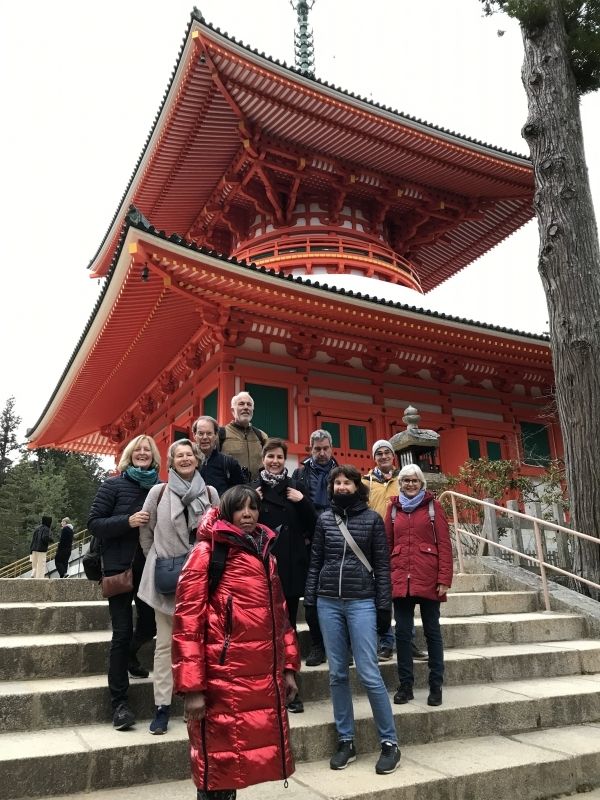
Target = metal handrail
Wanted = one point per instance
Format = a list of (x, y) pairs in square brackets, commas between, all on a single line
[(537, 525), (22, 565)]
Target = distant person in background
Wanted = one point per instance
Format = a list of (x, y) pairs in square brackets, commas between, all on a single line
[(65, 545), (217, 469), (115, 518), (241, 439), (38, 549)]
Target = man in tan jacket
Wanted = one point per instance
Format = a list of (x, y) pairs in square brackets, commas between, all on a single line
[(241, 440)]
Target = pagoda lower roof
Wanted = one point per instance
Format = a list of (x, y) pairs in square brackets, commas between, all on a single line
[(140, 328), (225, 99)]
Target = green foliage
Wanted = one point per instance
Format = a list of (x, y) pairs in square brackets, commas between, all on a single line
[(52, 483), (582, 27), (9, 424), (492, 479)]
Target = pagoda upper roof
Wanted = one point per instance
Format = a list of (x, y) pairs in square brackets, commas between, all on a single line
[(224, 97), (123, 350)]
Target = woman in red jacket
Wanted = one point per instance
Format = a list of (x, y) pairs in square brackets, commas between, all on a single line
[(421, 566), (234, 652)]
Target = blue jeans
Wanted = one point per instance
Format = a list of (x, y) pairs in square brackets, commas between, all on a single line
[(352, 624), (404, 612)]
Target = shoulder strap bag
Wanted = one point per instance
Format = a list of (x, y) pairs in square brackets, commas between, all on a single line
[(352, 543)]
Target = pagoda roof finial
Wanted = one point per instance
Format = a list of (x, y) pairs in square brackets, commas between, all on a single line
[(304, 45)]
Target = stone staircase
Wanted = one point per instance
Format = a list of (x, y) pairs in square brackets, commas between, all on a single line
[(520, 719)]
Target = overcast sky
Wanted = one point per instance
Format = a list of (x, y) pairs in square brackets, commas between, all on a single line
[(83, 82)]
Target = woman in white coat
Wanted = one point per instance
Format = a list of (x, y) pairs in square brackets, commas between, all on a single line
[(175, 508)]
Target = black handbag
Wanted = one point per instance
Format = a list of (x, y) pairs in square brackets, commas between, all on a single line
[(92, 561), (166, 573)]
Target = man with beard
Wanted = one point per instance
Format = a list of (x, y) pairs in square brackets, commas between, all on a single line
[(241, 440), (218, 470)]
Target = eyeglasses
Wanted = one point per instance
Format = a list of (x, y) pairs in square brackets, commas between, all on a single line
[(410, 480)]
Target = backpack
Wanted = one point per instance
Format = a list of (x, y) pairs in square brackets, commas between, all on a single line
[(258, 433), (216, 565)]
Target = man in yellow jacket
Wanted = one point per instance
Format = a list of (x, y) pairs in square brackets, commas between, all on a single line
[(382, 483)]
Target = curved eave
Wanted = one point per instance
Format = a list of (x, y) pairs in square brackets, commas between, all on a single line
[(195, 136), (131, 336)]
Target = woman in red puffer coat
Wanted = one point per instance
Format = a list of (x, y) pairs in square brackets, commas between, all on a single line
[(234, 653), (421, 567)]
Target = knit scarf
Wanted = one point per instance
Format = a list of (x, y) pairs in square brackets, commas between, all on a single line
[(410, 503), (146, 478), (193, 494), (321, 474), (271, 479), (377, 473)]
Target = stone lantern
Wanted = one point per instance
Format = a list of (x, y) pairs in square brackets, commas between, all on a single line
[(418, 446)]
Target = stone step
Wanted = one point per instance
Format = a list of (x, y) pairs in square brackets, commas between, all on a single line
[(27, 590), (469, 604), (84, 615), (93, 757), (53, 617), (32, 704), (67, 654)]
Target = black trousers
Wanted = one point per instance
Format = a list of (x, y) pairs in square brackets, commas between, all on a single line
[(125, 640), (62, 564)]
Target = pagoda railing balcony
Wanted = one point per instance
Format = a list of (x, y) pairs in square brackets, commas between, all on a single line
[(316, 253)]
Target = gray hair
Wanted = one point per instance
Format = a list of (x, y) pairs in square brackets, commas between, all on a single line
[(205, 418), (65, 521), (179, 443), (319, 434), (236, 397), (412, 469)]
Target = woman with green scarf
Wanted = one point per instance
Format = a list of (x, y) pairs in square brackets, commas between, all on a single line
[(115, 517)]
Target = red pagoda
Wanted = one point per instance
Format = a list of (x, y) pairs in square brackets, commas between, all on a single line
[(256, 183)]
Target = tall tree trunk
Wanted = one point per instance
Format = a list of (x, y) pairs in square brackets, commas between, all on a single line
[(569, 265)]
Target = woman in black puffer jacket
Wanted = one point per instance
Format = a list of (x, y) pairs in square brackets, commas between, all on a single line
[(115, 517), (353, 599)]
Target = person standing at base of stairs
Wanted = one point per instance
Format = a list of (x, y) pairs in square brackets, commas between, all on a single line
[(235, 654), (421, 566), (38, 549), (349, 584)]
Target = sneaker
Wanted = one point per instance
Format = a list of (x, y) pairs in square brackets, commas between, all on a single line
[(135, 669), (384, 653), (435, 696), (389, 759), (418, 655), (316, 656), (296, 706), (160, 723), (403, 694), (123, 718), (343, 756)]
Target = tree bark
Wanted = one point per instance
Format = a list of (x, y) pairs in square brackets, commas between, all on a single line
[(569, 265)]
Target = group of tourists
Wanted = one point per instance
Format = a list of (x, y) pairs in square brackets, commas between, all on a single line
[(221, 555), (41, 541)]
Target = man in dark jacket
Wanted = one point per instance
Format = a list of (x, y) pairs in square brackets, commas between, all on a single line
[(39, 547), (311, 478), (218, 469), (65, 544)]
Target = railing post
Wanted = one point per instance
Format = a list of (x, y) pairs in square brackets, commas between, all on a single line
[(459, 552), (535, 510), (517, 533), (562, 540), (540, 554), (490, 527)]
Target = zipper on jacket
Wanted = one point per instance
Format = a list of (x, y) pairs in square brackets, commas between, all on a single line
[(228, 629), (204, 750), (275, 682), (343, 555)]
